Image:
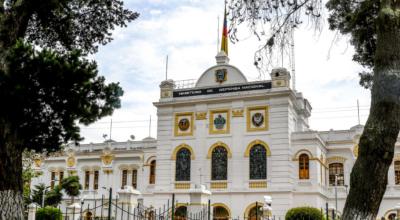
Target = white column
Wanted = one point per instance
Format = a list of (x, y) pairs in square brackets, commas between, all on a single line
[(128, 196), (73, 211), (32, 211), (199, 197)]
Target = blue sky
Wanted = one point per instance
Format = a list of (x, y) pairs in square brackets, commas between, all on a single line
[(186, 31)]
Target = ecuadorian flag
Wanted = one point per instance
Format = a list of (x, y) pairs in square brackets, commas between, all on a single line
[(224, 41)]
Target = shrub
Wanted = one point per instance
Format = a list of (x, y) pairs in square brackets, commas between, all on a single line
[(48, 213), (306, 213)]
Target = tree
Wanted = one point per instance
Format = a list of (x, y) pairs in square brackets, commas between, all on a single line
[(47, 84), (374, 29), (37, 193), (71, 186), (53, 197)]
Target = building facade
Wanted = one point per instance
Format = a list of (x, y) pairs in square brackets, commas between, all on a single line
[(242, 140)]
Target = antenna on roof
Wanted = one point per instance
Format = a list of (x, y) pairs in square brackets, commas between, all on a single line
[(217, 34), (150, 127), (358, 112), (166, 69), (293, 58), (110, 128)]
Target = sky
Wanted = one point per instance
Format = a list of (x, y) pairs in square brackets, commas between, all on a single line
[(186, 31)]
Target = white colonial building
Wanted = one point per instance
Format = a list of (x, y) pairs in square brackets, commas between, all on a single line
[(242, 140)]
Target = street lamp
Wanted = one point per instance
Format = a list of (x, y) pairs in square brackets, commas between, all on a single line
[(336, 180), (44, 191)]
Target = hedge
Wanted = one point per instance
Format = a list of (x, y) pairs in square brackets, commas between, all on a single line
[(306, 213), (49, 213)]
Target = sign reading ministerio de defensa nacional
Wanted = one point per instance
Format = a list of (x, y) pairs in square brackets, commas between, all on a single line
[(223, 89)]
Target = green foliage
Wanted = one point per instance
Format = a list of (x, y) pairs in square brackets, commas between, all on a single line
[(37, 193), (308, 213), (53, 197), (71, 185), (48, 213), (49, 92)]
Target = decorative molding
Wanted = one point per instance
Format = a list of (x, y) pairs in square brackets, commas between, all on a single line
[(182, 185), (237, 113), (107, 158), (256, 142), (211, 127), (176, 124), (355, 150), (38, 162), (219, 185), (266, 118), (201, 115), (258, 184), (335, 159), (71, 161), (173, 156), (219, 144), (302, 151)]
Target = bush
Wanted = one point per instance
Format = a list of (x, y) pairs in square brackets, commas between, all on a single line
[(306, 213), (48, 213)]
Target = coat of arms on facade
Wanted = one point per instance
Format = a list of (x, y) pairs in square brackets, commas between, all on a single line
[(257, 119), (184, 124), (219, 122), (221, 75)]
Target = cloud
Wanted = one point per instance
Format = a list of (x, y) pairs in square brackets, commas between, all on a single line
[(186, 31)]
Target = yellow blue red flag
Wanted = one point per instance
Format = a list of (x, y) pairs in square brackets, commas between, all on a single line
[(224, 41)]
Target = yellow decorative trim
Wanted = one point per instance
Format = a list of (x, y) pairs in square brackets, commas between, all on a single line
[(255, 142), (211, 122), (182, 185), (219, 185), (173, 156), (107, 158), (224, 206), (176, 125), (218, 144), (201, 115), (107, 171), (355, 150), (258, 184), (251, 206), (302, 151), (37, 162), (266, 118), (336, 159), (237, 113), (71, 161)]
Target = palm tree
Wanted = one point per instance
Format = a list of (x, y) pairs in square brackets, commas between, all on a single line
[(71, 186)]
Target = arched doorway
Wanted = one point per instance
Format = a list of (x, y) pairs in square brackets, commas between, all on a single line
[(220, 213), (88, 216), (255, 213), (392, 216), (181, 213)]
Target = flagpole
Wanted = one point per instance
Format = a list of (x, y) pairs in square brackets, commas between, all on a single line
[(217, 34)]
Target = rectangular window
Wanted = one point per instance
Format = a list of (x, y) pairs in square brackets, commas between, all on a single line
[(397, 172), (336, 171), (61, 177), (87, 179), (96, 180), (134, 179), (52, 179), (124, 178)]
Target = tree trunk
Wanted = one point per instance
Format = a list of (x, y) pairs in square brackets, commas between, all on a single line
[(368, 178), (11, 198)]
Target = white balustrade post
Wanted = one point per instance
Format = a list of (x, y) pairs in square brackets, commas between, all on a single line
[(199, 197), (73, 211), (32, 208)]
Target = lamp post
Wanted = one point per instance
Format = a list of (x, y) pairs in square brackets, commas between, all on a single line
[(336, 180), (45, 190)]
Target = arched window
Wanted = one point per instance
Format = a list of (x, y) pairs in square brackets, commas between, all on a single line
[(219, 163), (304, 164), (152, 177), (181, 213), (336, 169), (255, 213), (220, 213), (124, 181), (258, 162), (182, 165), (397, 172)]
